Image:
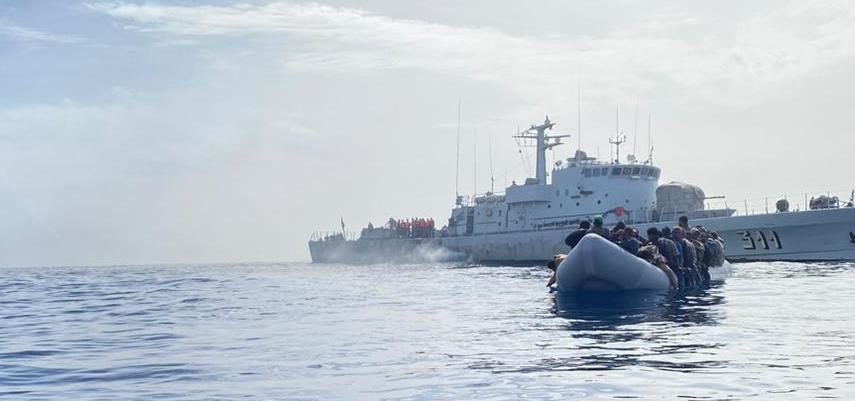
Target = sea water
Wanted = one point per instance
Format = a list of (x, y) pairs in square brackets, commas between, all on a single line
[(418, 332)]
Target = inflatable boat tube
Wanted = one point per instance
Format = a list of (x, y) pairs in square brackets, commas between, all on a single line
[(597, 264)]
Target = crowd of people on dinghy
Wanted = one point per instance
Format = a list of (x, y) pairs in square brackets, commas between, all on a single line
[(683, 253)]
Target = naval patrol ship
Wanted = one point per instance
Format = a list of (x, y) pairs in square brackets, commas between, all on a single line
[(529, 221)]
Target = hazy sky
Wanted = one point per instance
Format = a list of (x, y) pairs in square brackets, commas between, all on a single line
[(145, 132)]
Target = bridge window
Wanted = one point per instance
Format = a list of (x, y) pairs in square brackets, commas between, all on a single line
[(645, 171), (616, 171), (605, 171), (654, 172), (596, 172), (586, 172), (636, 170), (627, 171)]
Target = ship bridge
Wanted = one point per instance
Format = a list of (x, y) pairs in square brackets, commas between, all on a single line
[(578, 188)]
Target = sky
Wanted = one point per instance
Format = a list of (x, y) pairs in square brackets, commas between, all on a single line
[(192, 131)]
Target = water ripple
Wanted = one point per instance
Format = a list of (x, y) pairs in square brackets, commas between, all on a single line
[(418, 332)]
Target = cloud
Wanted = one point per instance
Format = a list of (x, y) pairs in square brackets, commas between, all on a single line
[(33, 36), (757, 54)]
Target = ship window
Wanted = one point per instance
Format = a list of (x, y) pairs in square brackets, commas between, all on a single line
[(616, 171), (500, 224), (626, 171), (566, 192), (577, 203), (599, 202), (549, 206), (605, 171), (586, 172), (558, 193), (645, 172), (561, 205), (655, 173), (500, 214), (636, 170), (596, 172)]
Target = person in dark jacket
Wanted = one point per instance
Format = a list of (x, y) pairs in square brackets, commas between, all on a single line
[(668, 249), (629, 242), (577, 235)]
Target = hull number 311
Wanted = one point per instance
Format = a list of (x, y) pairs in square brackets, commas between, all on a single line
[(760, 239)]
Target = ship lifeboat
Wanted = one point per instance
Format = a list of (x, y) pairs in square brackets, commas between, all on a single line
[(597, 264)]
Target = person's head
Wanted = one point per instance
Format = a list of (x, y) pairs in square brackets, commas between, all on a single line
[(585, 224), (678, 233), (628, 232), (714, 235), (695, 234), (683, 221), (652, 233), (598, 221), (551, 265), (666, 232), (619, 226)]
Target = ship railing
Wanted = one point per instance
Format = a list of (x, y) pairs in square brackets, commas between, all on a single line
[(472, 200), (319, 236), (768, 204)]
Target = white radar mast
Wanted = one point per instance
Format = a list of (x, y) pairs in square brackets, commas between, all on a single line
[(543, 143)]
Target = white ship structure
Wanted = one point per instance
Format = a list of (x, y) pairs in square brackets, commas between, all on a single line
[(528, 223)]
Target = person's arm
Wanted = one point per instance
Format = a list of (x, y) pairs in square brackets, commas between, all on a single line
[(551, 280)]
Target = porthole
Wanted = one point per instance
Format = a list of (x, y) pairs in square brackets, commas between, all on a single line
[(599, 202)]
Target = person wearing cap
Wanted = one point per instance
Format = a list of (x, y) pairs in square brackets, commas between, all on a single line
[(599, 229), (576, 236)]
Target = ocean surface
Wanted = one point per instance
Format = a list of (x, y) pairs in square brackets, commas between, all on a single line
[(772, 331)]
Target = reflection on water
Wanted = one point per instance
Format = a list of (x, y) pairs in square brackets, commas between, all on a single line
[(637, 328)]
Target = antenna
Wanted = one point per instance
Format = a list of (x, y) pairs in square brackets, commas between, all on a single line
[(649, 140), (490, 147), (457, 171), (474, 163), (635, 130), (579, 111)]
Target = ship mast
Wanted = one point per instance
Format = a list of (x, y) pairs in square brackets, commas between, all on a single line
[(543, 143)]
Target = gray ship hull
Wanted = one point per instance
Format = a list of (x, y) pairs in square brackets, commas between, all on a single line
[(814, 235)]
